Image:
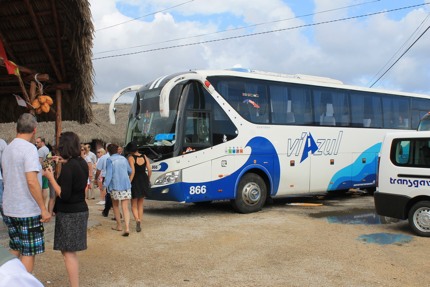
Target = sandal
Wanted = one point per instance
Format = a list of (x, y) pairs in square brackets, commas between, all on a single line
[(138, 229), (116, 229)]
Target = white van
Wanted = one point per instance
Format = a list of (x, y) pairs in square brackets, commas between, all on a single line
[(403, 190)]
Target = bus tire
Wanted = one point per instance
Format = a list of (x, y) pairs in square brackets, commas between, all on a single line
[(419, 218), (251, 194)]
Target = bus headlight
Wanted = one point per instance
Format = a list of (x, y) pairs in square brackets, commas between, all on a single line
[(169, 178)]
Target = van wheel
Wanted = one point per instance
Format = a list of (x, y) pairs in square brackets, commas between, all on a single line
[(419, 218), (251, 194)]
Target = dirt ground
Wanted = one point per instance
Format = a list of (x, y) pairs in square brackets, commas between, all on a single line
[(286, 244)]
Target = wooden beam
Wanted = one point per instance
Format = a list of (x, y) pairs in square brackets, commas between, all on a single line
[(40, 77), (22, 69), (6, 45), (58, 117), (10, 89), (60, 86), (58, 36), (39, 14), (32, 91), (6, 90), (8, 78), (28, 41), (42, 40)]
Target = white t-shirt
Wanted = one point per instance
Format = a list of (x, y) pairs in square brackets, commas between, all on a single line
[(19, 157), (3, 145), (13, 273), (43, 152), (89, 161), (93, 157)]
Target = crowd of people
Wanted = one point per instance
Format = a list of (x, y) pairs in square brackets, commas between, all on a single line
[(37, 184)]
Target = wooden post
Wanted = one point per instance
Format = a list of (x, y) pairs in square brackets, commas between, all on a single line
[(58, 117), (32, 91)]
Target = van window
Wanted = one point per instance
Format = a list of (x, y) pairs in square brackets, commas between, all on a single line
[(411, 152)]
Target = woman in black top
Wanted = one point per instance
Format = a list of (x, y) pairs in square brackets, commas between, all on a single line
[(139, 179), (70, 207)]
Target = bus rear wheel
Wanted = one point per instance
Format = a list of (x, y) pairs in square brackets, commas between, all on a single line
[(419, 218), (251, 194)]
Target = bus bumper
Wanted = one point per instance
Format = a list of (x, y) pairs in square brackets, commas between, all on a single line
[(391, 205), (173, 192), (188, 192)]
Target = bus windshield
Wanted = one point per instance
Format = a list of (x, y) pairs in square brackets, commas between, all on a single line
[(148, 129)]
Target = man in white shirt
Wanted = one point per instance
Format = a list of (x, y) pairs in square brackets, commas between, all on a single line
[(24, 211), (43, 152), (101, 171)]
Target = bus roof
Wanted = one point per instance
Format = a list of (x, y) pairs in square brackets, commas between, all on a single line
[(301, 79), (271, 76)]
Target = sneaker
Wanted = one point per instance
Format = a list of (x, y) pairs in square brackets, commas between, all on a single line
[(100, 202)]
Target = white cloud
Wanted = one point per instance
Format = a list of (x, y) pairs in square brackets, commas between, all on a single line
[(352, 51)]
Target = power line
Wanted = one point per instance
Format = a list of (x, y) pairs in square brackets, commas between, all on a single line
[(400, 56), (240, 28), (400, 49), (259, 33), (150, 14)]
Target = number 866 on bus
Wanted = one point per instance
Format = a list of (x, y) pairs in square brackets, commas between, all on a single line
[(198, 189)]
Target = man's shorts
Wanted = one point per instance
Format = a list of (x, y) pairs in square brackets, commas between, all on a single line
[(26, 234)]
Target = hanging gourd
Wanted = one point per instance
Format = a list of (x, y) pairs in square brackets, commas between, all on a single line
[(36, 104), (42, 103)]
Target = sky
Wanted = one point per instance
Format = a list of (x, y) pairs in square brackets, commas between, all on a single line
[(354, 41)]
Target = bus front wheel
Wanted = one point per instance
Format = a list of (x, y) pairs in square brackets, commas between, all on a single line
[(419, 218), (251, 194)]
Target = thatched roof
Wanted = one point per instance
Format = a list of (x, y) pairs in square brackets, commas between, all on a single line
[(99, 129), (52, 37)]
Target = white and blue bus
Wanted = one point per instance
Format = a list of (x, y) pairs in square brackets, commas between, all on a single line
[(247, 136)]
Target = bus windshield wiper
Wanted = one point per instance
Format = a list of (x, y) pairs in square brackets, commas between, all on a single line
[(158, 156)]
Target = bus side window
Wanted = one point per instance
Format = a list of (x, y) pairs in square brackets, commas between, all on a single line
[(367, 123), (281, 105), (243, 110), (424, 124), (290, 115), (327, 118)]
